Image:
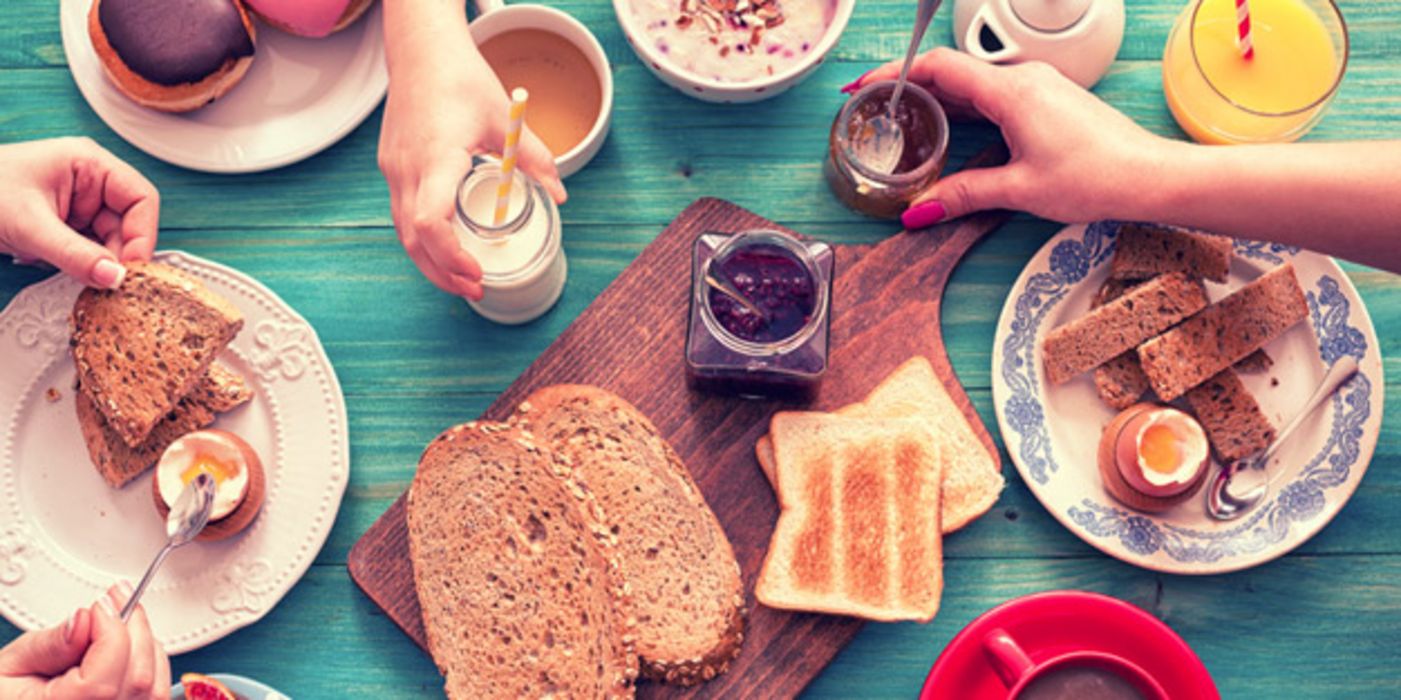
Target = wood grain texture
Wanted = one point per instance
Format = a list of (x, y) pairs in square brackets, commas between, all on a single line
[(1323, 622), (885, 309)]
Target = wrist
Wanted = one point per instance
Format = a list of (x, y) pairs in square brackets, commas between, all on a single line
[(1178, 173)]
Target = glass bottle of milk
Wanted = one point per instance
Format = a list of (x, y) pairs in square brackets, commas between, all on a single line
[(523, 265)]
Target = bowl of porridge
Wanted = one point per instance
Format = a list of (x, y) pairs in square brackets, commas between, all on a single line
[(732, 50)]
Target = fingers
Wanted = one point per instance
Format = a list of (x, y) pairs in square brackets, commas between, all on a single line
[(47, 238), (435, 206), (105, 183), (537, 161), (161, 689), (140, 677), (957, 78), (963, 193), (48, 652), (104, 665)]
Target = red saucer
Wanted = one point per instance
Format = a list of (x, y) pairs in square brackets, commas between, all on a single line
[(1055, 622)]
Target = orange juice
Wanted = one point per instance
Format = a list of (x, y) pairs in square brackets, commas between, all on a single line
[(1219, 96)]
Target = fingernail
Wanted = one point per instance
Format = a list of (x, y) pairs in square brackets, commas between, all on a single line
[(124, 591), (71, 626), (854, 85), (923, 215), (106, 605), (108, 274)]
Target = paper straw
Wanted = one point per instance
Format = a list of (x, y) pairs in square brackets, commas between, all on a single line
[(508, 155), (1247, 49)]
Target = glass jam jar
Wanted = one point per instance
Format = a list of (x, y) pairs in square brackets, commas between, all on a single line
[(926, 131), (781, 352), (522, 260)]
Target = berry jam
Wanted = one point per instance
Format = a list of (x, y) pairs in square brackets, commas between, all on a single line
[(771, 279)]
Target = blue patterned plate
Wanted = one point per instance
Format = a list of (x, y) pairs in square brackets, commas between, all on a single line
[(1052, 432)]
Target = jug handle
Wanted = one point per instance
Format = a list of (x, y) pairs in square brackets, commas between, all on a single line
[(972, 43)]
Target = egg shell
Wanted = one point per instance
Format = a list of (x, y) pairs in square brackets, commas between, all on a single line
[(1127, 453), (1114, 481), (247, 511)]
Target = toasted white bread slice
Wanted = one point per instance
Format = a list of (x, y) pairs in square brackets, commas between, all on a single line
[(859, 529), (972, 481)]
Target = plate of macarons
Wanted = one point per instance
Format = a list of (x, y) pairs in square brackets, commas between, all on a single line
[(1133, 360), (228, 86)]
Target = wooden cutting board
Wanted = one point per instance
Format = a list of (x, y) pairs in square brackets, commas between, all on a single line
[(886, 304)]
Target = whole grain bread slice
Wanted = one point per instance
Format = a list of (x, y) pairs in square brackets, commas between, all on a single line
[(220, 390), (1234, 423), (687, 594), (515, 571), (859, 532), (1223, 333), (1148, 250), (1120, 325), (141, 348)]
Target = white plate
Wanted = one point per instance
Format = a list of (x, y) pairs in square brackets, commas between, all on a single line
[(1052, 432), (65, 536), (299, 96)]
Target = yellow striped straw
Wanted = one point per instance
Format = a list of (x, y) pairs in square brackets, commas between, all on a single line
[(508, 155)]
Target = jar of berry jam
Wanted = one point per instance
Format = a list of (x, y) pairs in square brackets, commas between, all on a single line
[(864, 187), (765, 334)]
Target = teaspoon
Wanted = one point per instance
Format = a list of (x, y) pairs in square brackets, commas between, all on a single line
[(882, 149), (185, 520)]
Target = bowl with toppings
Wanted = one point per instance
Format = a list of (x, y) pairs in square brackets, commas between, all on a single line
[(732, 50)]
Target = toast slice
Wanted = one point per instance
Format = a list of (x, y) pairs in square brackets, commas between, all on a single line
[(1234, 423), (1149, 250), (515, 571), (220, 390), (1120, 325), (141, 348), (687, 594), (971, 481), (1223, 333), (859, 531)]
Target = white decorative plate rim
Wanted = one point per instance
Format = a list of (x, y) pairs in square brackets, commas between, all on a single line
[(1341, 325), (75, 38), (234, 606)]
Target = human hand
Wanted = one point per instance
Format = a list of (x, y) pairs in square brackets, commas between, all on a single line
[(1073, 157), (92, 656), (71, 203), (445, 105)]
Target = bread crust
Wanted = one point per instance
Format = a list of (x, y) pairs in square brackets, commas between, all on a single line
[(168, 98), (700, 664)]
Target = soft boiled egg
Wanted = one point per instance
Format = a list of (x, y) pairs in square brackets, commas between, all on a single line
[(222, 455), (1161, 451)]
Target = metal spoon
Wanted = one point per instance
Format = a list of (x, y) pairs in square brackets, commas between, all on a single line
[(724, 287), (185, 520), (1221, 504), (882, 149)]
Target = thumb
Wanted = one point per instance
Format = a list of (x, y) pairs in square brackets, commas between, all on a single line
[(54, 242), (48, 652), (960, 194), (535, 158)]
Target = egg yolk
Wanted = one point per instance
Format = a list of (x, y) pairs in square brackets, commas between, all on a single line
[(1157, 448), (204, 464)]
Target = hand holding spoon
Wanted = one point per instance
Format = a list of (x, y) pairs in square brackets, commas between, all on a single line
[(884, 145), (187, 517), (1221, 504)]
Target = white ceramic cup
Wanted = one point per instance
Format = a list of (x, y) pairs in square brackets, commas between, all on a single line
[(494, 18), (711, 90)]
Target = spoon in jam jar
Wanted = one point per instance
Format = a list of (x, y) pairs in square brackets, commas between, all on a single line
[(1221, 503), (883, 143), (724, 287)]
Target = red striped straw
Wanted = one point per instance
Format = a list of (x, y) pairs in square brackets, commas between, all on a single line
[(1247, 49)]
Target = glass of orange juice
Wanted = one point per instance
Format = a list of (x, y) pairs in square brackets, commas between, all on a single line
[(1218, 95)]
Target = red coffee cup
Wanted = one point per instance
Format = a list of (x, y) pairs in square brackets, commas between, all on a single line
[(1018, 671)]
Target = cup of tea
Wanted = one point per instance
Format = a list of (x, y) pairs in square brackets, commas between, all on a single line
[(561, 64), (1074, 675)]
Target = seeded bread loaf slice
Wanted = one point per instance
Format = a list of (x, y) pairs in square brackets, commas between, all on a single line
[(220, 390), (1149, 250), (141, 348), (1224, 333), (1232, 418), (515, 571), (1120, 325), (687, 594)]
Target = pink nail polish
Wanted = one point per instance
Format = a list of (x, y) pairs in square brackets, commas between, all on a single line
[(854, 85), (923, 215)]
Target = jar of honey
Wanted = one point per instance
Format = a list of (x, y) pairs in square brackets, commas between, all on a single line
[(865, 186)]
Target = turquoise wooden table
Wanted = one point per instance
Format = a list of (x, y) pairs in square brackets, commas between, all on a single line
[(1322, 622)]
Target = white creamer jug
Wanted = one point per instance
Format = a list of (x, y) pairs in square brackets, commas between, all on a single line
[(1078, 37)]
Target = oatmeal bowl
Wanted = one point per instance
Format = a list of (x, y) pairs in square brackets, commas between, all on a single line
[(732, 50)]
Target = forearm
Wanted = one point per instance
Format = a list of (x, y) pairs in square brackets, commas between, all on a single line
[(1343, 199), (413, 27)]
